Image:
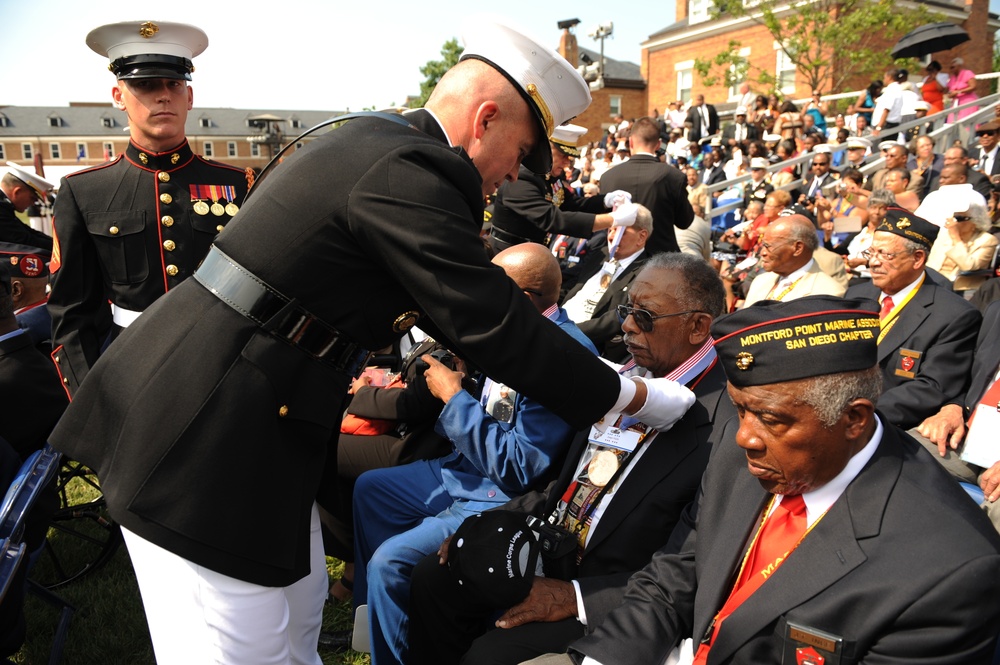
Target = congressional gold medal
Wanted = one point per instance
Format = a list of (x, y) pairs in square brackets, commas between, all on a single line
[(218, 209), (201, 208), (405, 321), (602, 466), (232, 209)]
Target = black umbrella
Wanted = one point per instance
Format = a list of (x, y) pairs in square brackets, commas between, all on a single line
[(929, 38)]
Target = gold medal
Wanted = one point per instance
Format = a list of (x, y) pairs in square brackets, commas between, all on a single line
[(201, 208), (218, 210), (602, 466), (605, 281), (232, 209)]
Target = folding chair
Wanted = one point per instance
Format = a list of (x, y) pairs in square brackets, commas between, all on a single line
[(35, 474)]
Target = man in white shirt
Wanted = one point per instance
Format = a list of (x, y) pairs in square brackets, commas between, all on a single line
[(604, 285), (889, 106)]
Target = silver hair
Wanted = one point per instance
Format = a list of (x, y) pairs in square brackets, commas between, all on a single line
[(829, 395), (980, 216), (882, 197)]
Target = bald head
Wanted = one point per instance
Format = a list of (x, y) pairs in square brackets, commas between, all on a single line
[(533, 269)]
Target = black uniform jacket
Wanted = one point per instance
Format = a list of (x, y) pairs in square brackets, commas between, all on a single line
[(926, 356), (128, 231), (12, 229), (902, 568), (530, 208), (660, 187), (30, 393), (209, 434)]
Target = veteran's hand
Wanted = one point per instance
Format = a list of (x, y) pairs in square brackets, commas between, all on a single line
[(549, 600), (946, 428), (441, 381)]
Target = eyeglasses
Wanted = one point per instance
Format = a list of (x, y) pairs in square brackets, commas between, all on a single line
[(771, 246), (644, 319), (961, 218), (869, 254)]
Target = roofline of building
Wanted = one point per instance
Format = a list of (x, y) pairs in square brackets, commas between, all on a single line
[(686, 32)]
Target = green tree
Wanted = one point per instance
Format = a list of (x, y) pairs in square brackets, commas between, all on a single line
[(830, 42), (435, 69)]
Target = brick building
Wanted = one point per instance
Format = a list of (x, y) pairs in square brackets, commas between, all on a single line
[(668, 55), (624, 88), (66, 139)]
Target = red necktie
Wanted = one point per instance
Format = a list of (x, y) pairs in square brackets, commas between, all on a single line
[(887, 306), (780, 534)]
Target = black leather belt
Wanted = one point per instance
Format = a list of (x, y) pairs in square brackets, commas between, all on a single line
[(507, 237), (279, 315)]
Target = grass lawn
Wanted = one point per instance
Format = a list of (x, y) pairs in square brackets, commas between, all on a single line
[(109, 625)]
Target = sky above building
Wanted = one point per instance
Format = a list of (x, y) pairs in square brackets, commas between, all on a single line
[(301, 54)]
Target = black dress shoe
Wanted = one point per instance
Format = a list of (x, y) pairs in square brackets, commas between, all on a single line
[(338, 640)]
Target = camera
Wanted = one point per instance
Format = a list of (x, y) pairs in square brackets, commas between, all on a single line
[(557, 547), (443, 356)]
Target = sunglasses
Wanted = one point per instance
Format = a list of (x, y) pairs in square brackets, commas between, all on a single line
[(961, 218), (986, 133), (644, 319)]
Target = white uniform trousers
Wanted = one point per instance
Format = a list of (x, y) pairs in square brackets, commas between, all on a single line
[(197, 616)]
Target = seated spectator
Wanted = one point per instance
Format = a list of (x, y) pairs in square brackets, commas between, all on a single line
[(876, 550), (897, 181), (626, 525), (928, 332), (939, 205), (926, 162), (697, 238), (957, 155), (786, 258), (789, 122), (403, 513), (849, 201), (383, 427), (966, 245), (28, 268), (944, 434), (855, 247), (603, 284), (33, 400), (749, 239), (895, 157), (856, 154), (758, 186)]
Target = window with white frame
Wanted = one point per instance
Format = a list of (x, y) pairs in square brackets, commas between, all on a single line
[(615, 105), (784, 71), (55, 152), (738, 73), (81, 151), (204, 122), (109, 150), (3, 154), (26, 151), (209, 149), (255, 150), (698, 11), (685, 79), (231, 149)]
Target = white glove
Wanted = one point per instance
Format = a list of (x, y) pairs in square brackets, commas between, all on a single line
[(666, 402), (614, 199), (624, 215)]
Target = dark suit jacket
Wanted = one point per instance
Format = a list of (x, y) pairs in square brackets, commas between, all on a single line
[(937, 332), (660, 187), (729, 132), (31, 394), (977, 152), (979, 182), (826, 180), (194, 403), (986, 359), (716, 175), (901, 550), (650, 500), (12, 229), (604, 328), (698, 130)]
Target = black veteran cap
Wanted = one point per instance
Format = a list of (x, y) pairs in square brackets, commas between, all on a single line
[(771, 341), (493, 555), (24, 261), (149, 49), (904, 223)]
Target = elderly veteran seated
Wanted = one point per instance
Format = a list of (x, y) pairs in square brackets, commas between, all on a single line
[(505, 444), (625, 504), (927, 331), (786, 257), (822, 533), (966, 245)]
